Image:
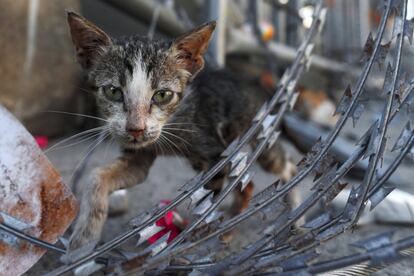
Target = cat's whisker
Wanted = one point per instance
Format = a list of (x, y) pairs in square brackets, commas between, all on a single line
[(167, 144), (179, 129), (178, 137), (80, 134), (109, 145), (160, 144), (76, 114), (88, 137), (91, 148), (173, 151), (181, 124), (172, 142)]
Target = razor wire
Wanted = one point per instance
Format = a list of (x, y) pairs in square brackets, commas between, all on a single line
[(196, 185), (273, 250)]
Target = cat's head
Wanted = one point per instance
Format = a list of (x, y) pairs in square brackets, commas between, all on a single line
[(139, 82)]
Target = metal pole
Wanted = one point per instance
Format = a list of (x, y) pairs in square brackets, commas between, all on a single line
[(217, 10)]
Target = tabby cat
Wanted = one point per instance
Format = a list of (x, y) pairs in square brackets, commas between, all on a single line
[(154, 92)]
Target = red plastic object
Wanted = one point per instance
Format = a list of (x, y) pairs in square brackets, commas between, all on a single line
[(168, 221), (42, 141)]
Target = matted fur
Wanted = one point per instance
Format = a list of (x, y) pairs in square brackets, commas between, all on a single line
[(207, 111)]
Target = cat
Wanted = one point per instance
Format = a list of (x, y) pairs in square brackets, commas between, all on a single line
[(153, 92)]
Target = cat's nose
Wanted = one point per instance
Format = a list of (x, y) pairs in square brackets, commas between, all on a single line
[(135, 132)]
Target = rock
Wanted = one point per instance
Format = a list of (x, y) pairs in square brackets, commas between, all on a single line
[(31, 191)]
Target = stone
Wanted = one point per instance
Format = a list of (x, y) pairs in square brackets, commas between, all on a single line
[(31, 191)]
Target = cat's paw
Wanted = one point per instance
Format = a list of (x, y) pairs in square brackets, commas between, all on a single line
[(77, 250), (82, 236), (118, 202)]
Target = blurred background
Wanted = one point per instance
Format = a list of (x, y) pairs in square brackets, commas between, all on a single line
[(38, 71), (258, 39)]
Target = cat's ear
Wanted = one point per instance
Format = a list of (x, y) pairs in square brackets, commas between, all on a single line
[(88, 39), (189, 48)]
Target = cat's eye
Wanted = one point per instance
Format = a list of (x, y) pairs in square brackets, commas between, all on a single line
[(114, 94), (162, 97)]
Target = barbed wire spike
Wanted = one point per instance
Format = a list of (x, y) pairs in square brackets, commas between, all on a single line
[(308, 158), (267, 122), (285, 77), (147, 232), (379, 196), (325, 162), (303, 240), (368, 48), (88, 269), (64, 242), (142, 217), (78, 253), (388, 80), (357, 112), (307, 56), (203, 205), (246, 179), (198, 195), (237, 158), (265, 194), (274, 208), (260, 113), (403, 138), (230, 149), (238, 169), (213, 216), (401, 88), (326, 178), (408, 100), (159, 245), (273, 138), (344, 102), (318, 221), (351, 205), (293, 100), (373, 140), (382, 54)]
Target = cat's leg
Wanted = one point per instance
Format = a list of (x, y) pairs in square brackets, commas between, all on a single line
[(242, 198), (128, 170), (276, 160)]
